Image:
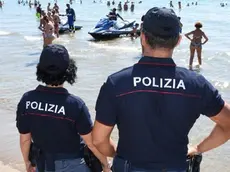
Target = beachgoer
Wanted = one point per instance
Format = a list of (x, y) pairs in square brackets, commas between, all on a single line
[(48, 34), (119, 6), (71, 17), (1, 4), (196, 43), (56, 8), (50, 17), (108, 3), (171, 4), (113, 2), (56, 121), (181, 25), (43, 20), (39, 11), (179, 5), (56, 20), (155, 103), (30, 4), (134, 31), (113, 15), (125, 6), (132, 6), (49, 8)]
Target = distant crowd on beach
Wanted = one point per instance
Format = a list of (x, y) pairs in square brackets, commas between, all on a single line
[(125, 7), (180, 6)]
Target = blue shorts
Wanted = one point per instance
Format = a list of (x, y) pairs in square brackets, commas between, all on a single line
[(120, 165), (71, 22), (70, 165)]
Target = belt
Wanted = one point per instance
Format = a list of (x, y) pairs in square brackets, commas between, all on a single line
[(47, 161)]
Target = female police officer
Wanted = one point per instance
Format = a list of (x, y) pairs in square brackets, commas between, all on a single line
[(55, 119)]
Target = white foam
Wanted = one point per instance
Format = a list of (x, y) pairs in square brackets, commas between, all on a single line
[(112, 47), (32, 38), (7, 168), (2, 33)]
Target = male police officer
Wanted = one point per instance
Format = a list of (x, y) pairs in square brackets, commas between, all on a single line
[(155, 104), (55, 119)]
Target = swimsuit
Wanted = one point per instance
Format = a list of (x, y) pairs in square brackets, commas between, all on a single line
[(196, 45)]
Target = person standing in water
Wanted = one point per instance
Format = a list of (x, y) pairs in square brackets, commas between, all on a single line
[(179, 5), (132, 6), (48, 34), (56, 20), (39, 11), (71, 17), (56, 8), (196, 43), (171, 4)]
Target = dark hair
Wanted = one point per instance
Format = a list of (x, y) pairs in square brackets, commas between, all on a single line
[(69, 75), (45, 18), (198, 25), (142, 18), (160, 42)]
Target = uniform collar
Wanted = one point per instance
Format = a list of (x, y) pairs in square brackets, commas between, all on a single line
[(156, 61), (59, 90)]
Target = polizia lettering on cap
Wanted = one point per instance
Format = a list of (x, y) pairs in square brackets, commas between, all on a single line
[(159, 82), (46, 107)]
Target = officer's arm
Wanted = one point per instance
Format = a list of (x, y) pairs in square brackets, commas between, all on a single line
[(221, 132), (89, 142), (23, 125), (25, 141), (105, 120), (213, 106), (101, 139), (84, 126)]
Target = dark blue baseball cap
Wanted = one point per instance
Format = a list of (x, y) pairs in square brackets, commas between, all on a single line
[(162, 22), (54, 59)]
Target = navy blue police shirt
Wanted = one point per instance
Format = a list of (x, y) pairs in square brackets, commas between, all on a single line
[(155, 104), (54, 118)]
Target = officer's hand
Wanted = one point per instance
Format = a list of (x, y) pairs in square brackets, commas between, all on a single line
[(106, 169), (192, 151), (30, 168)]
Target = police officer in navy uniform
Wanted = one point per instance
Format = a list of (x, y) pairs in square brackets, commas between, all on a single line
[(155, 103), (55, 120)]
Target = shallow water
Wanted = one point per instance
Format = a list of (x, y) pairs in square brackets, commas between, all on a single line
[(21, 44)]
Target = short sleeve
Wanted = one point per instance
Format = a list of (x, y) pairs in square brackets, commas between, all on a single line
[(84, 123), (212, 102), (105, 105), (22, 120)]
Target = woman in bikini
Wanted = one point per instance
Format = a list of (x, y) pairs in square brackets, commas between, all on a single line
[(48, 34), (196, 43)]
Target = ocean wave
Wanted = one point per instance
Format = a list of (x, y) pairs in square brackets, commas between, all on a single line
[(7, 168), (32, 38), (115, 47), (3, 33)]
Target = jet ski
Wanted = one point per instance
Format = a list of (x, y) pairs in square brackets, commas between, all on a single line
[(109, 29), (65, 29)]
